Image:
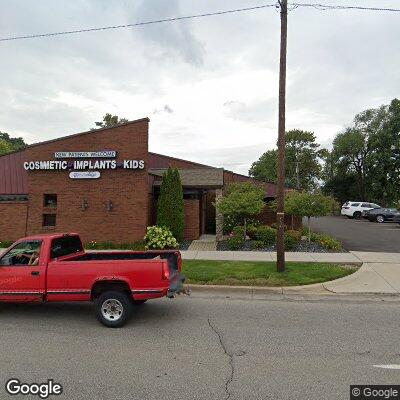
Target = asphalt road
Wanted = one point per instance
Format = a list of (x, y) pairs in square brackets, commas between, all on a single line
[(360, 235), (202, 348)]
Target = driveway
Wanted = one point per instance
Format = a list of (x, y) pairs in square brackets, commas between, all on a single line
[(204, 348), (360, 235)]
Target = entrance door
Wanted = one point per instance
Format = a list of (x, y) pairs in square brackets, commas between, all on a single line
[(22, 273)]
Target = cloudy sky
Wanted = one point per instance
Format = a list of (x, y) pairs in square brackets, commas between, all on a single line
[(209, 86)]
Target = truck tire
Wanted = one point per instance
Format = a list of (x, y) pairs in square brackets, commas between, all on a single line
[(113, 309)]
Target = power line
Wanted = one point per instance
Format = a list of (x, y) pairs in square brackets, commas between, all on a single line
[(137, 24), (292, 6), (325, 7)]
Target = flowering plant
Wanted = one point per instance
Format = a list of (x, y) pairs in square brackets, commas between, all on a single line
[(159, 238)]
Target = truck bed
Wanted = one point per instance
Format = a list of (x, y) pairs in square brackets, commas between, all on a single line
[(171, 256)]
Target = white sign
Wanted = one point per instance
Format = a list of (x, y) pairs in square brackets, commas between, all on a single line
[(85, 154), (83, 165), (84, 174)]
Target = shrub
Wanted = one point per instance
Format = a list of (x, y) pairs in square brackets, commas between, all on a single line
[(314, 237), (159, 238), (257, 244), (238, 230), (252, 231), (330, 243), (235, 242), (170, 211), (292, 238), (266, 234), (5, 244), (93, 245), (136, 246)]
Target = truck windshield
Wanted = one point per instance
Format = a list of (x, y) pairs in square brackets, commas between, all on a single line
[(66, 245)]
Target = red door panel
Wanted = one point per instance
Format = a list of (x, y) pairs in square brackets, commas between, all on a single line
[(20, 281)]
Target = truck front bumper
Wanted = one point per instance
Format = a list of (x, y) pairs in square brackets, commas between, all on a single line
[(176, 286)]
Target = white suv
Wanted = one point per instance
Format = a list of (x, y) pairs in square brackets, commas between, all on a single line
[(354, 209)]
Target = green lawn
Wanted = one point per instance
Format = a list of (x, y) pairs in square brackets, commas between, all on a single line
[(260, 273)]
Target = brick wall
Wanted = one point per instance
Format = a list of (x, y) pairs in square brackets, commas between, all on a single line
[(192, 219), (126, 189), (12, 220)]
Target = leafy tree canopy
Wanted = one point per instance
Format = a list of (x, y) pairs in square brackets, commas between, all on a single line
[(9, 144), (242, 201), (110, 120), (364, 163), (302, 165), (308, 205)]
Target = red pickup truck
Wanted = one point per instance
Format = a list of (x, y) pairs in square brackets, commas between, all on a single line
[(55, 267)]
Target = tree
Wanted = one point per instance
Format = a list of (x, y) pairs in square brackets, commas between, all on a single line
[(4, 147), (9, 144), (364, 163), (264, 169), (308, 205), (302, 167), (170, 210), (242, 201), (110, 120), (352, 148)]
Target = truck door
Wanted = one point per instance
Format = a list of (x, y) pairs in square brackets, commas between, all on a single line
[(23, 272)]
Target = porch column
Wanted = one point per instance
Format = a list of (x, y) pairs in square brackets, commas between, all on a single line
[(219, 218)]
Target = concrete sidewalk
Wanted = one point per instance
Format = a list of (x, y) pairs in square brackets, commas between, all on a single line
[(339, 258), (353, 257)]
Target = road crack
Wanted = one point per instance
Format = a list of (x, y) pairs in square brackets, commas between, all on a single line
[(229, 355)]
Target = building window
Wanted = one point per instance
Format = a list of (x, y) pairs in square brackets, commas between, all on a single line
[(50, 200), (49, 220), (11, 197)]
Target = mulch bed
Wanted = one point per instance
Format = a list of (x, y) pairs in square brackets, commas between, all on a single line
[(303, 246), (184, 245)]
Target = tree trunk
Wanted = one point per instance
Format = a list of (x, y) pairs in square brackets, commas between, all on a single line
[(309, 230), (245, 228)]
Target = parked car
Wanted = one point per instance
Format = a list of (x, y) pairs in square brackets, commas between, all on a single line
[(55, 268), (382, 214), (355, 209)]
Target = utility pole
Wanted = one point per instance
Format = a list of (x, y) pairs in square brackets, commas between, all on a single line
[(280, 214)]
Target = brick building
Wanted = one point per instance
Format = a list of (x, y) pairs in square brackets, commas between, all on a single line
[(104, 185)]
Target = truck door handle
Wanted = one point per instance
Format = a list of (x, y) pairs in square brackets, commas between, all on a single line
[(35, 273)]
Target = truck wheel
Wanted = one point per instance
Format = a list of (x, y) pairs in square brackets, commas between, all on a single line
[(139, 302), (113, 309)]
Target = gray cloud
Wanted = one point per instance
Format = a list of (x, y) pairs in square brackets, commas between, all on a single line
[(166, 109), (339, 63), (169, 39)]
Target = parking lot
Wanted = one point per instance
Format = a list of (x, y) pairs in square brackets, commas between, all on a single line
[(360, 235)]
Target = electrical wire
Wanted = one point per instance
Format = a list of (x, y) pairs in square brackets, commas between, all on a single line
[(325, 7), (137, 24), (291, 7)]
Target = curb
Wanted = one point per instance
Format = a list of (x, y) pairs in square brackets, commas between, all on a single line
[(258, 292)]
